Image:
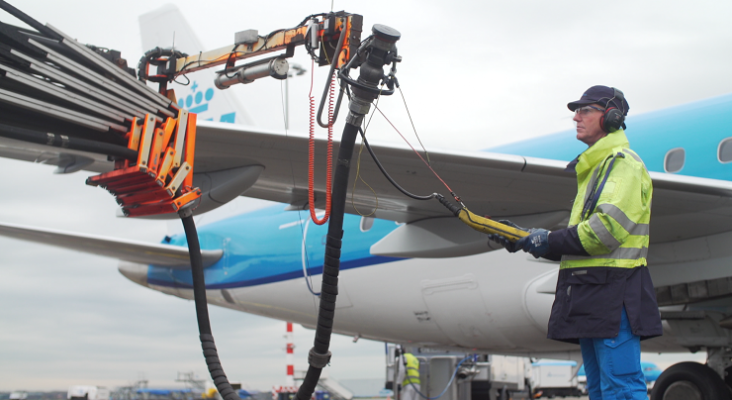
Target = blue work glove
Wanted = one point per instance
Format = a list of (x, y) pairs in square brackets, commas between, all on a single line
[(512, 247), (537, 243)]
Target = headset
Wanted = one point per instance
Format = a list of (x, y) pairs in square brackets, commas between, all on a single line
[(613, 118)]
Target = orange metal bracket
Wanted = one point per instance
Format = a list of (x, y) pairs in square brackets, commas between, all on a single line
[(154, 184)]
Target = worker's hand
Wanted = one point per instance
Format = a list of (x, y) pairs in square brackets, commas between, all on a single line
[(512, 247), (537, 243)]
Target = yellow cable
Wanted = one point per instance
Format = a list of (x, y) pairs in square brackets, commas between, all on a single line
[(358, 177), (322, 42)]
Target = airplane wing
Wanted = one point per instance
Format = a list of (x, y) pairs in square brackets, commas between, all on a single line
[(492, 184), (537, 191), (272, 165), (128, 250)]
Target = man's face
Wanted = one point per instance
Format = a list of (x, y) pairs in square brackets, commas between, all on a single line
[(588, 123)]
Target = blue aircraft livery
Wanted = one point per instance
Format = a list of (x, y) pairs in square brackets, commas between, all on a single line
[(252, 258), (198, 101), (657, 136)]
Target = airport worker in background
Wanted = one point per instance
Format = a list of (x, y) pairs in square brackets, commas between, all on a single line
[(605, 299), (408, 375)]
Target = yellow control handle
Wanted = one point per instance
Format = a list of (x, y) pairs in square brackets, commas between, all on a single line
[(486, 225)]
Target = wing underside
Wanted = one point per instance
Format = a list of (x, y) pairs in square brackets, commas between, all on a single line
[(496, 185), (127, 250)]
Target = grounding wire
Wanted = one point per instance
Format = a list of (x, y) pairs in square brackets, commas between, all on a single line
[(386, 174), (457, 198), (412, 122)]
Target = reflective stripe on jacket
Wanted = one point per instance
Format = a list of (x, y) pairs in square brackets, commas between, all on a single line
[(612, 209), (412, 370), (592, 290)]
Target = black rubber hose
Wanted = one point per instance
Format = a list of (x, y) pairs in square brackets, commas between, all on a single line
[(64, 141), (153, 57), (455, 210), (319, 355), (204, 325), (386, 174)]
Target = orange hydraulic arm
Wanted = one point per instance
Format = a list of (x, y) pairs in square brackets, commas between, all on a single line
[(317, 32), (160, 181)]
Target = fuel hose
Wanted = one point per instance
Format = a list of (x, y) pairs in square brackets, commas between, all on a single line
[(319, 355), (199, 296), (371, 73)]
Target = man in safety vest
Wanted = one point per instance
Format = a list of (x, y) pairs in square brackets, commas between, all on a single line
[(408, 375), (605, 299)]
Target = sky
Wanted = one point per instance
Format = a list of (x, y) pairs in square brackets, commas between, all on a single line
[(475, 74)]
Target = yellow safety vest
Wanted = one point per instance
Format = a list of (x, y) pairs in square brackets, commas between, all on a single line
[(612, 227), (412, 372)]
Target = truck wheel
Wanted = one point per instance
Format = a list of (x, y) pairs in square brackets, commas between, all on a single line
[(689, 381)]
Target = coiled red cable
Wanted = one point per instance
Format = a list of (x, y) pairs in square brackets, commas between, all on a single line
[(311, 153)]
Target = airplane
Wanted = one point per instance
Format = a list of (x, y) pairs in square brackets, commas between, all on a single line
[(410, 266)]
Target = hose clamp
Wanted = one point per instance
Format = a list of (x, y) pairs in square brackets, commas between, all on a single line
[(317, 360), (185, 212)]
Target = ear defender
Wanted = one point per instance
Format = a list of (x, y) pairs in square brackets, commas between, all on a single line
[(613, 118)]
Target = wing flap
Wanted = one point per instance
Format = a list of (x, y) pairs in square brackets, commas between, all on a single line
[(127, 250)]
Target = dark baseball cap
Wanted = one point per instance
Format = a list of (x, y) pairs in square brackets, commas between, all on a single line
[(601, 95)]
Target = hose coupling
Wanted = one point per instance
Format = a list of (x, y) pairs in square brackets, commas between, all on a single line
[(317, 360), (455, 210)]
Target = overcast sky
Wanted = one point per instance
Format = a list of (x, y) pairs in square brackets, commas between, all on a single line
[(475, 74)]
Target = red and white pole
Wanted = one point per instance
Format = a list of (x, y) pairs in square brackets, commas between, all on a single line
[(290, 357)]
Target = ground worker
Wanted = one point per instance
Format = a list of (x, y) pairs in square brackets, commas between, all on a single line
[(605, 299), (408, 375)]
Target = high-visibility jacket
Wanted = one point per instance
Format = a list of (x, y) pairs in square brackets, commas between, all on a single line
[(611, 214), (613, 206), (412, 370)]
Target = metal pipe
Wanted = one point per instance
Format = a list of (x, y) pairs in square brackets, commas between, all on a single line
[(276, 68), (69, 142)]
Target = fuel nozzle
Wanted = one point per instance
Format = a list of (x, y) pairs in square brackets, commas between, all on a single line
[(380, 51)]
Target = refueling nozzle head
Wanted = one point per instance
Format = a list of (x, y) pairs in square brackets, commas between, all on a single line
[(386, 33)]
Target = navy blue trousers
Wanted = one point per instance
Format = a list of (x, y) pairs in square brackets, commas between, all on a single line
[(613, 366)]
